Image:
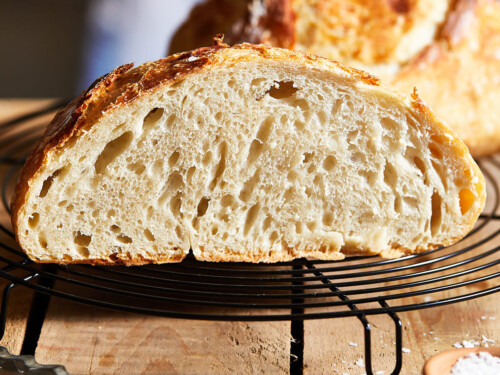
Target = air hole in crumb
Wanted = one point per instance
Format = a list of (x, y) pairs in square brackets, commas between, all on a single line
[(357, 157), (113, 257), (282, 89), (202, 206), (172, 160), (137, 168), (158, 167), (207, 158), (266, 224), (466, 198), (150, 212), (329, 163), (43, 242), (390, 175), (114, 228), (83, 251), (398, 205), (227, 200), (111, 213), (436, 213), (221, 166), (174, 183), (178, 232), (70, 208), (298, 227), (257, 144), (249, 186), (176, 203), (149, 236), (327, 219), (152, 118), (189, 175), (300, 125), (307, 157), (252, 214), (321, 117), (33, 220), (419, 164), (311, 226), (442, 176), (123, 238), (48, 183), (62, 203), (112, 150), (81, 239), (292, 176), (273, 237), (435, 151), (67, 258), (214, 230), (289, 194)]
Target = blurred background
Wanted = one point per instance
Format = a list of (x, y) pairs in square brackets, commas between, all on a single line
[(56, 48)]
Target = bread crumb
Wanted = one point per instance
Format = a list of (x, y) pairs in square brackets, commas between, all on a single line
[(380, 373), (352, 343), (359, 362), (458, 345), (406, 350)]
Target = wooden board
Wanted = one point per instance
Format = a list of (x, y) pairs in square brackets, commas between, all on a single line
[(90, 340)]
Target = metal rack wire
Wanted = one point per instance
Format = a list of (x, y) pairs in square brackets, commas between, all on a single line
[(298, 290)]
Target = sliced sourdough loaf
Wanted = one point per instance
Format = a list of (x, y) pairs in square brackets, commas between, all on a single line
[(247, 153)]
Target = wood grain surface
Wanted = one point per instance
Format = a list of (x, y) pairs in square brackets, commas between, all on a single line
[(90, 340)]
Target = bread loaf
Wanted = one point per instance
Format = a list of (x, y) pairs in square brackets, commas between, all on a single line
[(449, 50), (249, 154)]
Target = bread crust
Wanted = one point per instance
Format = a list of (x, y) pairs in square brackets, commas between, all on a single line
[(457, 71), (126, 84)]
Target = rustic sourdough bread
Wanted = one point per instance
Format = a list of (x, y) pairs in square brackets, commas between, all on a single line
[(448, 49), (247, 153)]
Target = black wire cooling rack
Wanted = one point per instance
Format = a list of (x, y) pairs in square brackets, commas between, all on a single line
[(302, 289)]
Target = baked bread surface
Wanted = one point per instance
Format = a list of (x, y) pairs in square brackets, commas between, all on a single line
[(248, 153), (448, 49)]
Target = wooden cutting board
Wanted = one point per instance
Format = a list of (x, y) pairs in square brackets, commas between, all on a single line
[(89, 340)]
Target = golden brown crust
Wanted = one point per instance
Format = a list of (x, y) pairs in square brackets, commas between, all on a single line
[(125, 85)]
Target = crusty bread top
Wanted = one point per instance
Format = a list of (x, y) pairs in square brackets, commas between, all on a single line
[(125, 85)]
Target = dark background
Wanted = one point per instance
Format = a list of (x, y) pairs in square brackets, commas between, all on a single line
[(56, 48)]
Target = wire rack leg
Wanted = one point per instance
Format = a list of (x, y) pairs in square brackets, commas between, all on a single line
[(3, 311), (368, 344), (5, 302)]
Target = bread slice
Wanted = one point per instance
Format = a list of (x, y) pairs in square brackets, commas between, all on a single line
[(448, 49), (249, 154)]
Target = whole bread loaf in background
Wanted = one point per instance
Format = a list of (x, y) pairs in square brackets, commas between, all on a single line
[(448, 49), (248, 153)]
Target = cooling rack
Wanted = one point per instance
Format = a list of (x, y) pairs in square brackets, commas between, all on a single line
[(303, 289)]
